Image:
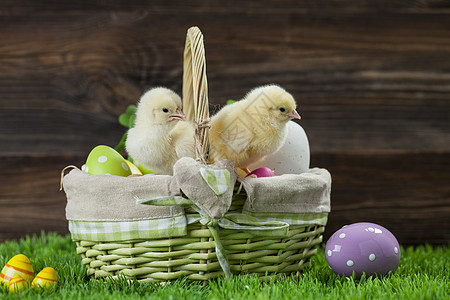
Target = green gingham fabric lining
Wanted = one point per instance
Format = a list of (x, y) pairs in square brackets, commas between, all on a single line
[(170, 227), (128, 230), (292, 219), (218, 180)]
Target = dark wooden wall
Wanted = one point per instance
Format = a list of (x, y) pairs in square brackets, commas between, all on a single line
[(372, 80)]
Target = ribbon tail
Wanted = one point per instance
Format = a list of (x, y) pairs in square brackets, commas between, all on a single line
[(220, 250), (165, 201), (220, 253), (254, 226)]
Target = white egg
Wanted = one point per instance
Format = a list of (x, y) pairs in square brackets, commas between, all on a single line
[(293, 157)]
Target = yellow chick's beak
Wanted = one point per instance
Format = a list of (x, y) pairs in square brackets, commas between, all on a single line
[(294, 115), (178, 115)]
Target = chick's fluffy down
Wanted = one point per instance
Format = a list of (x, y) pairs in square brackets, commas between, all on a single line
[(247, 130), (160, 137)]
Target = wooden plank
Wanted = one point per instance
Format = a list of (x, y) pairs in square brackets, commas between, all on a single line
[(30, 199), (407, 193), (364, 82), (233, 6)]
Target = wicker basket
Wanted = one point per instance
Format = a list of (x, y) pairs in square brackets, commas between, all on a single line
[(194, 255)]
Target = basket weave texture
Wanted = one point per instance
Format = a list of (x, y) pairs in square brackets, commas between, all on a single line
[(194, 255), (198, 255)]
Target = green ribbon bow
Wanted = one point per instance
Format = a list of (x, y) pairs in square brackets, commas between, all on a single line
[(236, 221)]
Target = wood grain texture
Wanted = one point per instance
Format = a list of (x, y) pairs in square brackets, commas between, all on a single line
[(30, 199), (408, 193), (372, 80), (363, 82), (226, 7)]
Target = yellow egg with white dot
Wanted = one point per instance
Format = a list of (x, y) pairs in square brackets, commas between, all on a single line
[(104, 160), (45, 278), (17, 283), (134, 170), (18, 265)]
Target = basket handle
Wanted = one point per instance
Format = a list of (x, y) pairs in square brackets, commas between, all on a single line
[(195, 91)]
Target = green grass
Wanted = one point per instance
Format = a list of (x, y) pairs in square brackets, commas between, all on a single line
[(423, 274)]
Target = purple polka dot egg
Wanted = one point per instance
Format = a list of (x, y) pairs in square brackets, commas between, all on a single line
[(363, 248)]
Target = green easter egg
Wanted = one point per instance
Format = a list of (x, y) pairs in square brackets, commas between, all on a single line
[(106, 160)]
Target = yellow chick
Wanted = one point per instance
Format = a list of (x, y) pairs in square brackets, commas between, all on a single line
[(160, 135), (247, 130)]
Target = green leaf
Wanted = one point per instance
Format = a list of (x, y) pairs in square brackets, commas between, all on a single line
[(230, 101), (127, 118)]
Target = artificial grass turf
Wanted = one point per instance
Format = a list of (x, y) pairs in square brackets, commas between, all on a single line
[(423, 274)]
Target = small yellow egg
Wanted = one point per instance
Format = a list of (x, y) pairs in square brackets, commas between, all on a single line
[(18, 265), (241, 173), (17, 283), (133, 168), (45, 278)]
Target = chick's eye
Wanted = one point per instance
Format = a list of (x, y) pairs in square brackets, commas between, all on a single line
[(165, 110), (282, 109)]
